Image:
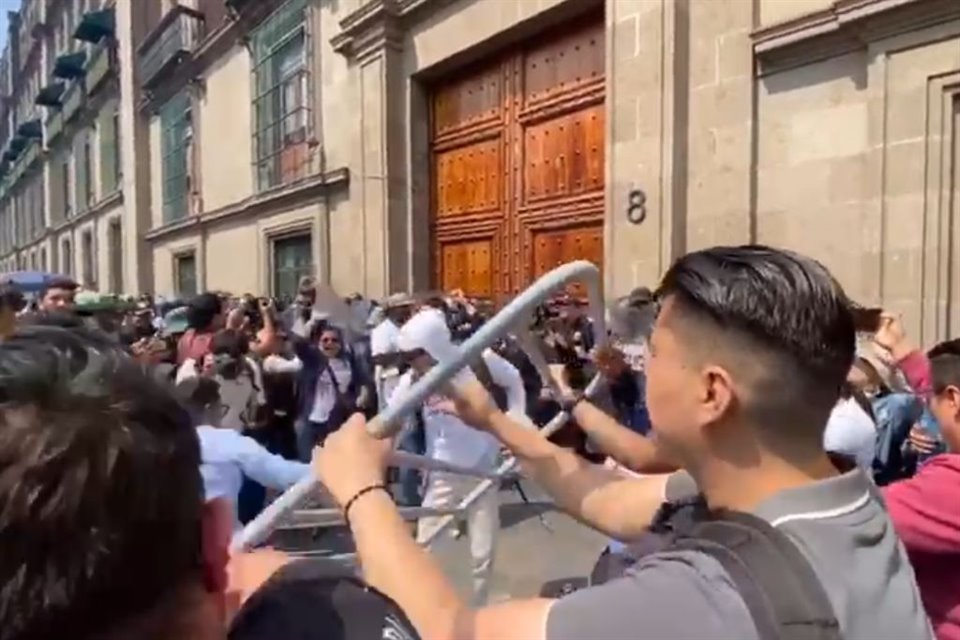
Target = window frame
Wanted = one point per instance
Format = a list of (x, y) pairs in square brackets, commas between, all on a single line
[(176, 123), (278, 239), (88, 259), (178, 259), (266, 47)]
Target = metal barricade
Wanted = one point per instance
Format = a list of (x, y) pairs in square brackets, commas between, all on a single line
[(514, 318)]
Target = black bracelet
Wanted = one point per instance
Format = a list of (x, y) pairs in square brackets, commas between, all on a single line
[(358, 495)]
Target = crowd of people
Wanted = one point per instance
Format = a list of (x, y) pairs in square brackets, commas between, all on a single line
[(768, 460)]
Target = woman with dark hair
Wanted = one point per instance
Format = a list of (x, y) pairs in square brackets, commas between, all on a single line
[(329, 386)]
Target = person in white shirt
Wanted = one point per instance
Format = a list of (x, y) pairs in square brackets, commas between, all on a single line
[(387, 362), (383, 345), (226, 456), (851, 432), (425, 339)]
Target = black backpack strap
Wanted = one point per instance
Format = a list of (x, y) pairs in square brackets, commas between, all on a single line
[(785, 597)]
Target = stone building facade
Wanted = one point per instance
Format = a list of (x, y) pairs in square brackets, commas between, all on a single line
[(404, 144)]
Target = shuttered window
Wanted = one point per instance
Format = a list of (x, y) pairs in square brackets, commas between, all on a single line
[(89, 258), (176, 139), (109, 152), (115, 242), (185, 270), (292, 260), (82, 165)]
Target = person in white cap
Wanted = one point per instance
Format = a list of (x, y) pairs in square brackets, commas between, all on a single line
[(424, 340), (387, 371)]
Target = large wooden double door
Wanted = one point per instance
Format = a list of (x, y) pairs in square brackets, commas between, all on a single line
[(518, 165)]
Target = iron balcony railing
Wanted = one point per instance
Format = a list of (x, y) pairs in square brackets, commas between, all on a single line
[(177, 35)]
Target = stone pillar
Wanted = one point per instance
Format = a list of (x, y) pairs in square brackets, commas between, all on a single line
[(373, 49), (646, 115), (135, 155)]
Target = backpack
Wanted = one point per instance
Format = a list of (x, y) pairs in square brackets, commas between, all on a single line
[(783, 594)]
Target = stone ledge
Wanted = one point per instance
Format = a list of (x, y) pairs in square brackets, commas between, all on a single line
[(266, 203), (847, 25), (377, 24), (107, 202)]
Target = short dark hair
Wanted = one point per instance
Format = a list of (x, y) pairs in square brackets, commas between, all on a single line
[(11, 297), (776, 304), (101, 492), (202, 309), (948, 347), (58, 282), (945, 372)]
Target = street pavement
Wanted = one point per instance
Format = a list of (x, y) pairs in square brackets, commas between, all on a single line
[(537, 544)]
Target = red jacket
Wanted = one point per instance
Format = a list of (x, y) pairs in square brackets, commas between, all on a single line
[(926, 514)]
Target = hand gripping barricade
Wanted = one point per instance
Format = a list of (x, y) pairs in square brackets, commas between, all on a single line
[(514, 318)]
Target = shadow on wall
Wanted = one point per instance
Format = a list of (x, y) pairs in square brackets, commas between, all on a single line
[(852, 65)]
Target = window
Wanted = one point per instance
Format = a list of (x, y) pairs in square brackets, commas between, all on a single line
[(292, 260), (280, 103), (84, 182), (176, 141), (109, 152), (65, 190), (115, 243), (89, 258), (66, 258), (185, 272), (43, 258)]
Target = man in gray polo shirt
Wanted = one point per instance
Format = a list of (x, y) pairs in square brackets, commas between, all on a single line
[(746, 361)]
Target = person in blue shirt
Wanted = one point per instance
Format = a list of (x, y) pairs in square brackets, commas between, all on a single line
[(227, 456)]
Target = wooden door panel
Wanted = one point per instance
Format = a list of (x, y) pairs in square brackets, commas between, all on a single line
[(517, 156), (554, 247), (469, 100), (565, 64), (468, 265), (564, 155), (468, 179)]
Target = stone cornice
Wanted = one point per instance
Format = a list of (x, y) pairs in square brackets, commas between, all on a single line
[(847, 25), (111, 200), (280, 199), (378, 24)]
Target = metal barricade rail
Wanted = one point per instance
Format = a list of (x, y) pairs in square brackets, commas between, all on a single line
[(514, 318)]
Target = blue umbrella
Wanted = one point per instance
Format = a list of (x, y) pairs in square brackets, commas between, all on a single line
[(29, 281)]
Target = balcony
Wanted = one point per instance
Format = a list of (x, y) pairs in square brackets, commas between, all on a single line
[(70, 66), (31, 130), (102, 64), (172, 42), (54, 126), (96, 25), (73, 100), (49, 96)]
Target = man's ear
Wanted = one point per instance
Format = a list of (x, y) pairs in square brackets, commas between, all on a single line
[(217, 531), (952, 393), (718, 393)]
